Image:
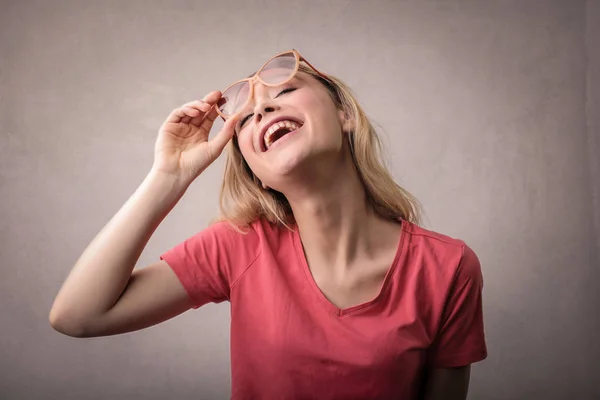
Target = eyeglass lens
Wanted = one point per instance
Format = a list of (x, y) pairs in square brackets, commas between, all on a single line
[(276, 71)]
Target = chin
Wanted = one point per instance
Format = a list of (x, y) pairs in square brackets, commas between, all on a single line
[(287, 162)]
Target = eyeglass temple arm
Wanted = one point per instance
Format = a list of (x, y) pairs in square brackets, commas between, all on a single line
[(312, 66)]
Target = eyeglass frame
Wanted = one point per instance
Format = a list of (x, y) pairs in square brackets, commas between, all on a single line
[(252, 79)]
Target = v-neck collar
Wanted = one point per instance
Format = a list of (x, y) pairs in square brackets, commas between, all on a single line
[(329, 306)]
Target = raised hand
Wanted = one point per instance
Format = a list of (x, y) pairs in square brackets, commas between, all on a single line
[(183, 147)]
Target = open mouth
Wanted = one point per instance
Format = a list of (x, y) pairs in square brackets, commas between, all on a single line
[(278, 130)]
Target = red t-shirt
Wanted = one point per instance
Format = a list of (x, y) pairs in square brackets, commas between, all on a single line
[(289, 342)]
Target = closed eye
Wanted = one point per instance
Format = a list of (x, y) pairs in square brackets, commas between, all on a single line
[(245, 119), (286, 90)]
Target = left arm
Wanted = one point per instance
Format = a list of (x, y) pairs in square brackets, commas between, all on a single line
[(460, 340), (447, 383)]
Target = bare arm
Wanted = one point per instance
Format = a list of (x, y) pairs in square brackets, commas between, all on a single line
[(101, 295), (448, 383), (90, 296)]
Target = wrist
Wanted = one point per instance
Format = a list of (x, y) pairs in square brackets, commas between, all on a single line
[(166, 186)]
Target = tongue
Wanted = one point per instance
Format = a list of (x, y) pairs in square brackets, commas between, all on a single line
[(278, 134)]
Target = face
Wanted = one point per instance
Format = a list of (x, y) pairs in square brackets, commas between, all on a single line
[(285, 130)]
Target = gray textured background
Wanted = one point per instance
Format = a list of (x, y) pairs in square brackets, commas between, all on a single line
[(491, 118)]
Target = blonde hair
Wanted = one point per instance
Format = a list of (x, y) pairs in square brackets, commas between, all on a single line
[(243, 199)]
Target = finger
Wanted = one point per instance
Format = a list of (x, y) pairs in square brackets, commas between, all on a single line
[(176, 115), (212, 97), (207, 102), (218, 143), (209, 119), (203, 106), (197, 120), (190, 111), (199, 105), (190, 114), (183, 114)]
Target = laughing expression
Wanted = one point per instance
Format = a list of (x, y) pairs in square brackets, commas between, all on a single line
[(287, 129)]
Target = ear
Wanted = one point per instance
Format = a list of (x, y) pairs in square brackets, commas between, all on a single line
[(346, 122)]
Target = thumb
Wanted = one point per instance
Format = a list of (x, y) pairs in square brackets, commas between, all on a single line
[(220, 140)]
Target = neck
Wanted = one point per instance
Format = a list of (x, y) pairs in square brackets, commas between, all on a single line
[(337, 225)]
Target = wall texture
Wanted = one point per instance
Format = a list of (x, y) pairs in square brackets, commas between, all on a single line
[(593, 107), (490, 112)]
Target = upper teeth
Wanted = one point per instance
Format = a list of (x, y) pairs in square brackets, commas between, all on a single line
[(291, 125)]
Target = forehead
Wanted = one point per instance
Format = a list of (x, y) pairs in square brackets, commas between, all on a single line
[(300, 78)]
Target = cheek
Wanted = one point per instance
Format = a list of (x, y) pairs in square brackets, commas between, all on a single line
[(326, 119), (245, 143), (247, 150), (311, 103), (322, 108)]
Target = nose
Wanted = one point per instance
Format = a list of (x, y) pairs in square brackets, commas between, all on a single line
[(264, 105), (261, 110)]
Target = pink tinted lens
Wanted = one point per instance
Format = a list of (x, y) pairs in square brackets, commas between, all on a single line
[(279, 69), (234, 98)]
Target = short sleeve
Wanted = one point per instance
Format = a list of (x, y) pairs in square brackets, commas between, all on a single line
[(210, 261), (460, 339)]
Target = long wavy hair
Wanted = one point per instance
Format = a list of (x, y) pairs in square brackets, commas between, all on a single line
[(243, 200)]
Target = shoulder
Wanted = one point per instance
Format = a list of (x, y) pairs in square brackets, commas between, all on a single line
[(222, 245), (440, 254), (253, 236), (426, 236)]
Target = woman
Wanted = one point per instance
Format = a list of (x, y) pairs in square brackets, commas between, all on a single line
[(335, 291)]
